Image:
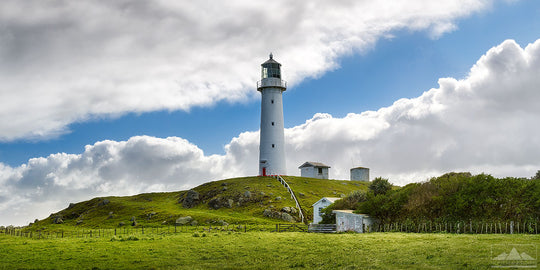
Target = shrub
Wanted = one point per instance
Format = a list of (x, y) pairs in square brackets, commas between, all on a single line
[(379, 186)]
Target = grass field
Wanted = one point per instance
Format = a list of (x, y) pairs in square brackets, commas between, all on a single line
[(259, 250)]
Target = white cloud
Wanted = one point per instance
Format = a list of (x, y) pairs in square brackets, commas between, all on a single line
[(486, 122), (483, 123), (67, 61)]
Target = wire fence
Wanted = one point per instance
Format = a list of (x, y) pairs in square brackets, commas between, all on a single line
[(469, 227), (132, 231)]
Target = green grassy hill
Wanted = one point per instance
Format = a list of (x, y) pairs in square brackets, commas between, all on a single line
[(238, 200)]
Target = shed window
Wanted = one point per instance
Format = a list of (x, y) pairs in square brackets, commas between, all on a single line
[(320, 170)]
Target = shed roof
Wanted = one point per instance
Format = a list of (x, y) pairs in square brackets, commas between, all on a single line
[(359, 168), (330, 199), (348, 212), (343, 211), (313, 164)]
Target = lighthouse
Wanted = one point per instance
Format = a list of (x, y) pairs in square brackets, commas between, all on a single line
[(272, 141)]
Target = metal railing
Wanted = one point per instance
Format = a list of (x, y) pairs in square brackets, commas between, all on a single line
[(271, 82), (286, 185)]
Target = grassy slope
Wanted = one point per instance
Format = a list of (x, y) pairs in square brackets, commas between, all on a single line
[(260, 250), (264, 191)]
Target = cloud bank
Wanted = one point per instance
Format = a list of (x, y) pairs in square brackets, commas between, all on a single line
[(486, 122), (69, 61)]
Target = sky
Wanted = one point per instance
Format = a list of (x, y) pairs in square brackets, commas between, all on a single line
[(119, 98)]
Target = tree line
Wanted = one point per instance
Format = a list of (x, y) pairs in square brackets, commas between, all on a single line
[(452, 197)]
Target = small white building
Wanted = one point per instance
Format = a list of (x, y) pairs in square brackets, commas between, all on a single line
[(314, 170), (319, 206), (360, 174), (347, 221)]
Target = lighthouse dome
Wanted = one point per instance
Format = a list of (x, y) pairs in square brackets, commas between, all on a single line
[(271, 69)]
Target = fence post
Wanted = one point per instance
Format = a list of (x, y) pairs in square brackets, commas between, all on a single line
[(511, 227)]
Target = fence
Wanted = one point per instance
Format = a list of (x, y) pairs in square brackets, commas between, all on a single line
[(471, 227), (290, 228), (127, 230)]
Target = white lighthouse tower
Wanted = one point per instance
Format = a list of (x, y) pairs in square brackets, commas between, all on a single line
[(272, 141)]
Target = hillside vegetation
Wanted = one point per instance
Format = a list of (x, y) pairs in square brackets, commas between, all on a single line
[(449, 198), (230, 201)]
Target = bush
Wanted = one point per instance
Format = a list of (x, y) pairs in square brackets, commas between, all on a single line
[(455, 197), (379, 186)]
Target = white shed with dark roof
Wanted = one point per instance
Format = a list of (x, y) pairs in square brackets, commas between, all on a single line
[(314, 170)]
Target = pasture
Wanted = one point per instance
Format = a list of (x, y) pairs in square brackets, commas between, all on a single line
[(261, 250)]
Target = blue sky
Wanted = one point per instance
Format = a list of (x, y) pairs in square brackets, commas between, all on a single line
[(119, 98), (402, 66)]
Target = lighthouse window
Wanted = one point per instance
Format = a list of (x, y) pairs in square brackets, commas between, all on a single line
[(272, 123), (273, 145), (271, 71), (272, 101)]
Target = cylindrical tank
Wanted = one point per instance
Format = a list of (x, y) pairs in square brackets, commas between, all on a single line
[(360, 174)]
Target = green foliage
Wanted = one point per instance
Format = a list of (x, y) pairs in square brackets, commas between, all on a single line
[(327, 216), (379, 186), (458, 197), (536, 176), (385, 207)]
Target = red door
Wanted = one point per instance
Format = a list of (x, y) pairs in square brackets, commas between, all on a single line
[(264, 171)]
